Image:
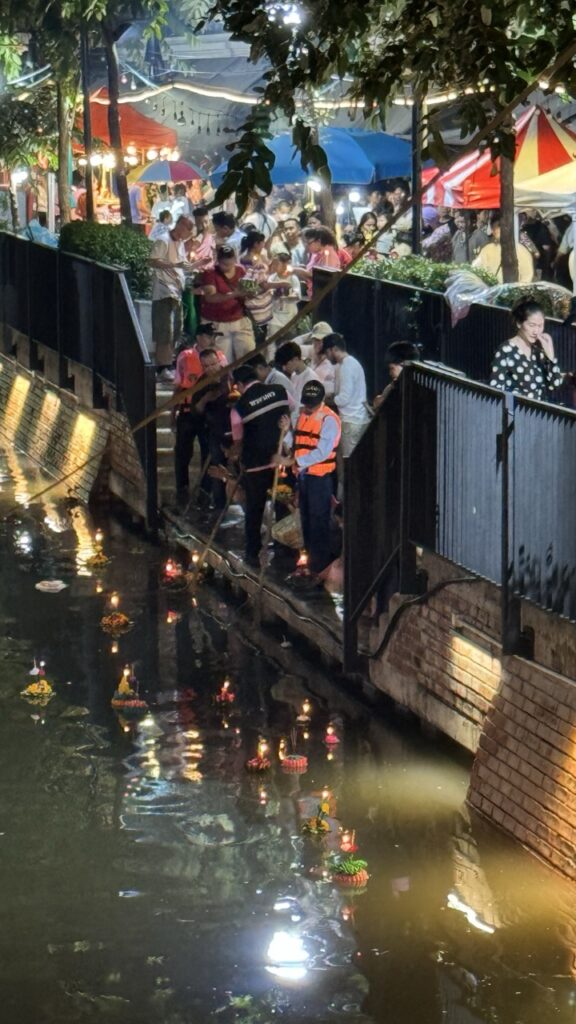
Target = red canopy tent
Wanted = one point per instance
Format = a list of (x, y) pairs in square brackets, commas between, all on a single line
[(137, 129), (473, 183)]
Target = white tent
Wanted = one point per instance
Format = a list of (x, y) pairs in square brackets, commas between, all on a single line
[(553, 191)]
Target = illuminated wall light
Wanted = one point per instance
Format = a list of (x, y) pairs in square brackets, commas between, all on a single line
[(79, 448), (132, 161), (152, 154), (82, 162), (44, 426), (15, 405), (109, 161), (131, 149), (95, 159)]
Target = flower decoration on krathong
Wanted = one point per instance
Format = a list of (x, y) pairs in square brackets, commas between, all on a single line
[(284, 494), (115, 622), (260, 763), (40, 691), (98, 559), (126, 696), (249, 286), (318, 825)]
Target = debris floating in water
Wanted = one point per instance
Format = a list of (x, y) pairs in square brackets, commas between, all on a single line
[(51, 586)]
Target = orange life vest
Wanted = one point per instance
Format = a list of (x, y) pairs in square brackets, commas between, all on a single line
[(306, 438)]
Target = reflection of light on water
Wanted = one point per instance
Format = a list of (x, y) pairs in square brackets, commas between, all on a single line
[(23, 542), (455, 903), (21, 492), (85, 549), (52, 517), (288, 957)]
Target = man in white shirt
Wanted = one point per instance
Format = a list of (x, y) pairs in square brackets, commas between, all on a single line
[(350, 392), (289, 360), (168, 263)]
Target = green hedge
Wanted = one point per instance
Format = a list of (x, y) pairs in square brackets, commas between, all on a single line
[(417, 271), (113, 245)]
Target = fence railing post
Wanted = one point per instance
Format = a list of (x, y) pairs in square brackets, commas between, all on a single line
[(512, 641), (407, 550)]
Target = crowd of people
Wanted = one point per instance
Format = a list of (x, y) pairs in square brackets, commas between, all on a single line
[(299, 406)]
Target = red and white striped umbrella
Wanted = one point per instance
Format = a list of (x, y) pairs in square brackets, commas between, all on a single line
[(473, 183)]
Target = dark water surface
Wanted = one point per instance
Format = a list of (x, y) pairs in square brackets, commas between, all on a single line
[(146, 877)]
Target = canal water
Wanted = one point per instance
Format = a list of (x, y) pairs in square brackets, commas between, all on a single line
[(148, 878)]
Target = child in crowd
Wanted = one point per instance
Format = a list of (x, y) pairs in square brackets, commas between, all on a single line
[(286, 295)]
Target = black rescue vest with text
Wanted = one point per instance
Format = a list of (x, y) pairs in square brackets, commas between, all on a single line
[(261, 407)]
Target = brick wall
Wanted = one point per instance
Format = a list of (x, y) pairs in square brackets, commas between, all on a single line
[(59, 430), (518, 717)]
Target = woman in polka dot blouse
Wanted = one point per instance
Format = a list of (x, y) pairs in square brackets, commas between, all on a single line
[(526, 363)]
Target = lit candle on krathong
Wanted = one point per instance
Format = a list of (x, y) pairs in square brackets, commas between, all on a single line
[(331, 739), (305, 735), (225, 694), (114, 647), (171, 618), (99, 586), (325, 795), (98, 538), (170, 568), (302, 562), (114, 600), (282, 749), (304, 715), (195, 558), (263, 749)]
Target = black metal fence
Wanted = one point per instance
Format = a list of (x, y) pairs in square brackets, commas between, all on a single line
[(483, 478), (83, 311), (372, 314)]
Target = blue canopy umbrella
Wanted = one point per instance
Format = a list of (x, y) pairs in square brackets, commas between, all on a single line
[(354, 158)]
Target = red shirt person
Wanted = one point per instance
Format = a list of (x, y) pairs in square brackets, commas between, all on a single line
[(222, 304)]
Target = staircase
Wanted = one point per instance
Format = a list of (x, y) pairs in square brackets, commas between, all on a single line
[(165, 448)]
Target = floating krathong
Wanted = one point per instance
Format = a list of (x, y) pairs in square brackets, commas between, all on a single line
[(260, 763), (40, 691), (115, 622), (126, 698)]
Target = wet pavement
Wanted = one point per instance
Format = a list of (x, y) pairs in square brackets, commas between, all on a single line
[(147, 877)]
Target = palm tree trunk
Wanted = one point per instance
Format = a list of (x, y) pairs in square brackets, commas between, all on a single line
[(114, 129), (63, 116)]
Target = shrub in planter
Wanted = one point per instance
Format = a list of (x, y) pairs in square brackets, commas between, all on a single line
[(417, 271), (113, 245)]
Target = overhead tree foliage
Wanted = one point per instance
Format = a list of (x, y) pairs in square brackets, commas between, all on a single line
[(482, 53)]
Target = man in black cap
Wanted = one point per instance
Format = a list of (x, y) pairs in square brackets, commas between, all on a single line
[(316, 438), (188, 418), (255, 423)]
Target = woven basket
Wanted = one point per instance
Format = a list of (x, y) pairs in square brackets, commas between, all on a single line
[(288, 531)]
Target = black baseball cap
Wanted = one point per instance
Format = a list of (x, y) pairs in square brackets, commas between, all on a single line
[(209, 330), (313, 393)]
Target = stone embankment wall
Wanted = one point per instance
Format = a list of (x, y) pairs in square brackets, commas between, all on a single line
[(59, 430), (517, 717)]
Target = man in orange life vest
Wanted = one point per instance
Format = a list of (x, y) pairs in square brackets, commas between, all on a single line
[(316, 438)]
